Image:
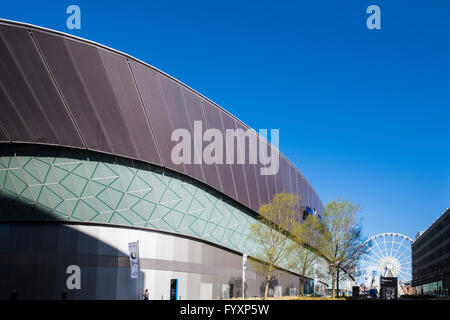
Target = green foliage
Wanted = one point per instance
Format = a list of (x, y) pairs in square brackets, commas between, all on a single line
[(341, 237), (336, 238), (305, 246), (277, 217)]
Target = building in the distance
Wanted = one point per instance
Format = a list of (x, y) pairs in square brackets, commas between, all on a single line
[(86, 169), (431, 258)]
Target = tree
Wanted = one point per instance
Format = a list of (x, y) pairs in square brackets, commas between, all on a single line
[(342, 236), (306, 245), (348, 267), (276, 218)]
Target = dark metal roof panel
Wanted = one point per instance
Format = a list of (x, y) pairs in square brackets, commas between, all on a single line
[(194, 105), (271, 186), (284, 174), (154, 105), (91, 71), (41, 86), (19, 90), (226, 174), (59, 89), (61, 66), (237, 169), (125, 91), (293, 175), (3, 136), (10, 119), (176, 106), (212, 173), (250, 170), (262, 185)]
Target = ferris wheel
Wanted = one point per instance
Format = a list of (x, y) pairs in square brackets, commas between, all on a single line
[(385, 255)]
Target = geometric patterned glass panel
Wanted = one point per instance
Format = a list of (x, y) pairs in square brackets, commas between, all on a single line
[(78, 185), (43, 183)]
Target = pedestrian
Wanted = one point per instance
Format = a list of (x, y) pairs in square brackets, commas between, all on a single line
[(145, 295), (64, 294), (13, 295)]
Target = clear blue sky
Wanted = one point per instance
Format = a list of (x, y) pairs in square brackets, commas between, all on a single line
[(364, 114)]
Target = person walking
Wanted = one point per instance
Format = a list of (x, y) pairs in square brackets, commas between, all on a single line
[(145, 295)]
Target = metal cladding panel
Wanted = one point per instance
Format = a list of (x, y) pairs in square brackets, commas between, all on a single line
[(226, 174), (309, 194), (305, 191), (122, 83), (152, 97), (195, 113), (291, 187), (284, 171), (271, 186), (99, 90), (271, 179), (10, 120), (320, 206), (287, 178), (280, 176), (278, 180), (250, 169), (301, 189), (316, 201), (293, 174), (17, 89), (3, 136), (238, 169), (313, 198), (254, 189), (58, 90), (262, 186), (63, 70), (41, 86), (302, 197), (179, 117)]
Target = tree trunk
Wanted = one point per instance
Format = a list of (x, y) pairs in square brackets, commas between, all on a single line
[(333, 275), (337, 281), (266, 290), (301, 285)]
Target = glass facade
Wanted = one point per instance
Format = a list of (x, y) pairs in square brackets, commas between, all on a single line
[(431, 258), (432, 288), (84, 186)]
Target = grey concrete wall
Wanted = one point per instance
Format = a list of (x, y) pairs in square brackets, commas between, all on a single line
[(34, 258)]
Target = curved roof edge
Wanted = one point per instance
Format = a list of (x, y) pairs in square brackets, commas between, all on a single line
[(96, 44)]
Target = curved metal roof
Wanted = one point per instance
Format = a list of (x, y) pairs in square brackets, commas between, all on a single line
[(58, 89)]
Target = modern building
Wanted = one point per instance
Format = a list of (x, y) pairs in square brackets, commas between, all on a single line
[(85, 169), (431, 258)]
